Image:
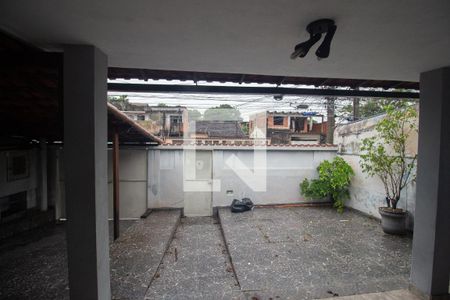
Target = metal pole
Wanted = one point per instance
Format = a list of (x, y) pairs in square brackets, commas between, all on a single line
[(355, 109), (330, 119), (116, 182)]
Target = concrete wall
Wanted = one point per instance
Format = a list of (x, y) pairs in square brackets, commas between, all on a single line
[(165, 184), (28, 184), (133, 183), (367, 193), (154, 177), (286, 168)]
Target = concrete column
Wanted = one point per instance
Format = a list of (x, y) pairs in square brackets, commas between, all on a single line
[(116, 185), (431, 244), (43, 175), (56, 183), (85, 167)]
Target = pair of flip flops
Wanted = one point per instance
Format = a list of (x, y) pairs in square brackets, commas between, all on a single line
[(241, 205)]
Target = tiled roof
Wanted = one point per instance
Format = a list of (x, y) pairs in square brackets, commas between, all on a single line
[(242, 143), (220, 129)]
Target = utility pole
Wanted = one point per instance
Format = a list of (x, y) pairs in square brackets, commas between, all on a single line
[(356, 115), (330, 119)]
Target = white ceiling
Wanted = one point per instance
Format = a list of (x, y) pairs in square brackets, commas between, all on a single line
[(383, 39)]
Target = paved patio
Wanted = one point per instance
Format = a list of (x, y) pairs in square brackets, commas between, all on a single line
[(307, 253), (196, 266), (137, 253), (284, 253), (391, 295)]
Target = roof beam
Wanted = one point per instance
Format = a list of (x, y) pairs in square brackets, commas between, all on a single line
[(207, 89), (115, 73)]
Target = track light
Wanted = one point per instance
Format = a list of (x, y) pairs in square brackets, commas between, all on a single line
[(302, 49), (315, 30), (324, 49)]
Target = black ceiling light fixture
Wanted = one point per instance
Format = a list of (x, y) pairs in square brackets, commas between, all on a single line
[(315, 30)]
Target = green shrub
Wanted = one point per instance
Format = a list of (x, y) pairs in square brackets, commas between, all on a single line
[(385, 154), (333, 182)]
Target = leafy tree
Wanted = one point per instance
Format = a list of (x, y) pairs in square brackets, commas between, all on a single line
[(385, 154), (194, 115), (162, 105), (334, 180), (120, 102), (372, 107), (223, 112), (245, 128)]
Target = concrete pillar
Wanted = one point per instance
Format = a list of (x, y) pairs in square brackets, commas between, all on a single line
[(55, 182), (43, 175), (85, 169), (431, 244), (116, 185)]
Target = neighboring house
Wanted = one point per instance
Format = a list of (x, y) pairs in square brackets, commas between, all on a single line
[(164, 121), (214, 132), (288, 127), (172, 124)]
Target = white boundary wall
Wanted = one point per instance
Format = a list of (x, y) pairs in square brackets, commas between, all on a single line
[(286, 168), (153, 177)]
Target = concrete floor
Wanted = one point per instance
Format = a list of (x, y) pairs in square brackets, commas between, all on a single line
[(307, 253), (34, 265), (289, 253), (196, 266), (391, 295), (137, 253)]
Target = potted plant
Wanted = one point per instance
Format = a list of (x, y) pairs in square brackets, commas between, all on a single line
[(333, 182), (385, 155)]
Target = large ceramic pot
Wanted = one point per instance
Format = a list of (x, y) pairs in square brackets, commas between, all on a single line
[(393, 221)]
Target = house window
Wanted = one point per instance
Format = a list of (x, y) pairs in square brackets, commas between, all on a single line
[(278, 120), (141, 117), (176, 123), (175, 120)]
